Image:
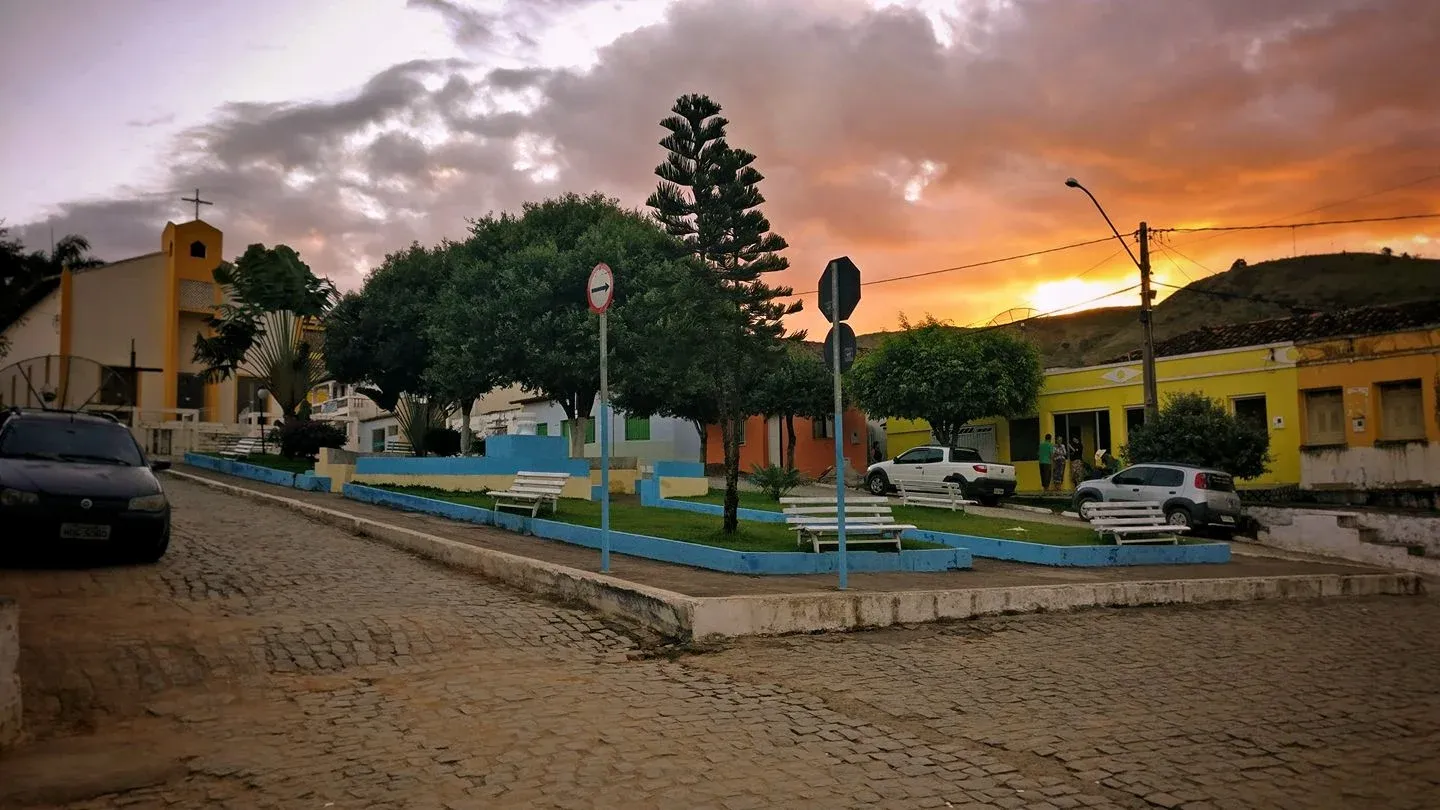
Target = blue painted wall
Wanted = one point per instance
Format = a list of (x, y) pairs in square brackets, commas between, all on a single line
[(672, 551), (239, 469), (679, 469), (490, 464)]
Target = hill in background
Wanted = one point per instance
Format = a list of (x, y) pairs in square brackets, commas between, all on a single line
[(1278, 288)]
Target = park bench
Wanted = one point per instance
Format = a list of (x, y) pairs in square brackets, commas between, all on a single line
[(242, 447), (1131, 522), (530, 490), (868, 521), (947, 494)]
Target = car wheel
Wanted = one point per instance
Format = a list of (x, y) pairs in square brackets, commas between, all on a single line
[(1082, 505), (150, 551), (988, 500), (877, 483), (1178, 516)]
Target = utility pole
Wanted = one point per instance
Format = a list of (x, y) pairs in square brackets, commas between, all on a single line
[(1147, 326)]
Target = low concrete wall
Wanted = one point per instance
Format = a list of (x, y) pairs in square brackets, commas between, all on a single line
[(851, 610), (1334, 533), (764, 563), (254, 472), (336, 465), (9, 675)]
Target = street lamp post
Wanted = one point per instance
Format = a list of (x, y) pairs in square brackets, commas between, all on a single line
[(1152, 398), (261, 402)]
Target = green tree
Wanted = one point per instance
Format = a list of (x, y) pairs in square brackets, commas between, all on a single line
[(543, 335), (461, 329), (799, 385), (948, 377), (24, 275), (709, 198), (1194, 429), (268, 290), (376, 338)]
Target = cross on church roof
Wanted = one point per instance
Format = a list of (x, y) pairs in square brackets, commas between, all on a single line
[(198, 202)]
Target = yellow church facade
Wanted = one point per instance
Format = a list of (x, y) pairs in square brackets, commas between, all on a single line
[(138, 319)]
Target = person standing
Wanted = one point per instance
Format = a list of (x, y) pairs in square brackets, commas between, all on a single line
[(1077, 462), (1057, 472), (1046, 457), (875, 455)]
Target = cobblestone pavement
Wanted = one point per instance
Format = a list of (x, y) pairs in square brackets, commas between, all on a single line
[(273, 662)]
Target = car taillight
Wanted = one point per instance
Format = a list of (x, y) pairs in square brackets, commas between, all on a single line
[(980, 468), (1201, 482)]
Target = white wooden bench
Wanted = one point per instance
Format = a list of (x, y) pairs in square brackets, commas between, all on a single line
[(1131, 522), (933, 493), (868, 521), (530, 490)]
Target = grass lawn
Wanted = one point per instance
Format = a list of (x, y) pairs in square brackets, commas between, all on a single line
[(273, 461), (943, 520), (627, 515)]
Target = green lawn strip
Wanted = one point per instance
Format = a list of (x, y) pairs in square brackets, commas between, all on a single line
[(943, 520), (274, 462), (627, 515)]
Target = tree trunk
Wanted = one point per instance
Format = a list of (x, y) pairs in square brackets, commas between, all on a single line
[(789, 441), (704, 431), (465, 405), (731, 431), (577, 436)]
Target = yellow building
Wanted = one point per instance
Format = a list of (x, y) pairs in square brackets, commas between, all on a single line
[(1349, 398), (137, 320), (1368, 399)]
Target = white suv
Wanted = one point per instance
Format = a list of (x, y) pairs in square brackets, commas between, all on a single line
[(1191, 496)]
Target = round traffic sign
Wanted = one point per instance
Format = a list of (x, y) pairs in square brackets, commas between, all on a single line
[(600, 289)]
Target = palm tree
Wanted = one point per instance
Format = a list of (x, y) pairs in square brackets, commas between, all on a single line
[(285, 359)]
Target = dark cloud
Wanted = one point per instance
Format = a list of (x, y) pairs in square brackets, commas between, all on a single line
[(1178, 113)]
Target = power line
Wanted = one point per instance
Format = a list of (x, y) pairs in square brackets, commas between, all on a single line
[(1062, 310), (1173, 263), (971, 266), (1294, 308), (1399, 218)]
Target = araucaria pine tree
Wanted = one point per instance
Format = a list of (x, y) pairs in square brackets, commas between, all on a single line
[(709, 198)]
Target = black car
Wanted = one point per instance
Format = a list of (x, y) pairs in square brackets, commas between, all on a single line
[(76, 478)]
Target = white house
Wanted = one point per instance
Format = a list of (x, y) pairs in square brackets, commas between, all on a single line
[(656, 438)]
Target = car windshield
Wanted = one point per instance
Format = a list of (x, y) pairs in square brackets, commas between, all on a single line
[(77, 442)]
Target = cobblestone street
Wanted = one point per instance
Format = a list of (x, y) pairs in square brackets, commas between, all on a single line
[(269, 661)]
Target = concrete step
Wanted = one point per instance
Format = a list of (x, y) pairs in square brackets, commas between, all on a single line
[(1413, 549)]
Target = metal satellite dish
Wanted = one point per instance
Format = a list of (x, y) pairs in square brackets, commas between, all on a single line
[(1016, 315)]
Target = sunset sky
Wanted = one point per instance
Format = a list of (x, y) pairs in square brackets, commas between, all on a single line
[(913, 135)]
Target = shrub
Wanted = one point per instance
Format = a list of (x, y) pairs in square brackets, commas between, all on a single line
[(774, 480), (303, 438), (1194, 429), (442, 441)]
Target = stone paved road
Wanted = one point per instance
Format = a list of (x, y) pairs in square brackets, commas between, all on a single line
[(273, 662)]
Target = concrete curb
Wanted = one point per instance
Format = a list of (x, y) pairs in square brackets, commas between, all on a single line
[(685, 617), (10, 713)]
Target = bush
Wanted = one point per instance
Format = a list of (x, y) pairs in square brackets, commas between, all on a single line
[(1194, 429), (442, 441), (774, 481), (303, 438)]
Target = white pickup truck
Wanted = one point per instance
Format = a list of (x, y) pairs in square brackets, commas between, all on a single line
[(984, 481)]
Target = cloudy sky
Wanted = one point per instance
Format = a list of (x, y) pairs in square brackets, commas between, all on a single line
[(912, 135)]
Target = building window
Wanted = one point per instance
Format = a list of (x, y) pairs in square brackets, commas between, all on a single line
[(117, 386), (822, 428), (1324, 417), (189, 391), (197, 250), (542, 428), (741, 428), (377, 440), (1402, 411), (1025, 439), (637, 429), (392, 430), (1251, 411)]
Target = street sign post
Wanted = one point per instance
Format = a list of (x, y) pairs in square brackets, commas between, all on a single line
[(839, 294), (599, 294)]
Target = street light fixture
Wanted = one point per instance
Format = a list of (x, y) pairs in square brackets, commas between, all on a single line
[(1152, 398)]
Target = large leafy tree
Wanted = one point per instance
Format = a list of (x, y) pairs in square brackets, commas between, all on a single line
[(461, 328), (948, 377), (376, 338), (1194, 429), (23, 275), (709, 198), (272, 301), (543, 336), (799, 385)]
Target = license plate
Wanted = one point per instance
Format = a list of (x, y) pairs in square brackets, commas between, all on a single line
[(84, 531), (999, 491), (1226, 519)]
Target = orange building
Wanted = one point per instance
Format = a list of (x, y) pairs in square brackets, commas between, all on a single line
[(764, 441)]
